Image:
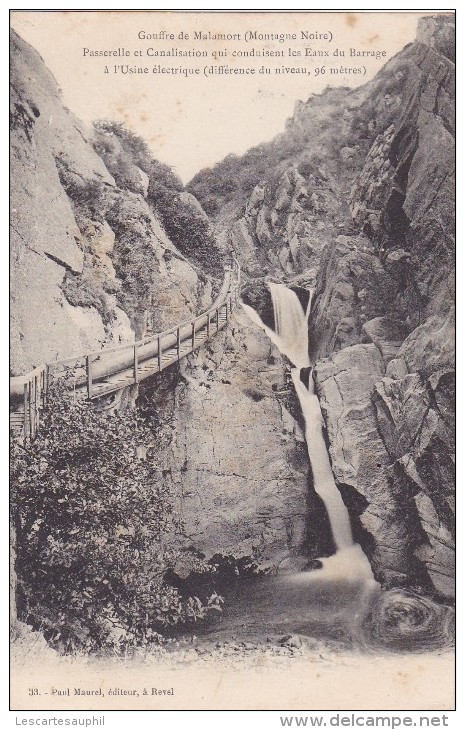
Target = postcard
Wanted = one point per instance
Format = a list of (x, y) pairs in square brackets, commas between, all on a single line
[(232, 361)]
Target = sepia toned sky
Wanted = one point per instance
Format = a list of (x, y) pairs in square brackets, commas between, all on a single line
[(192, 122)]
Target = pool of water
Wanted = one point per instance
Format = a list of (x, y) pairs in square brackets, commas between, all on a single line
[(332, 604)]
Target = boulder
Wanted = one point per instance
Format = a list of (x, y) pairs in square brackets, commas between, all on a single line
[(239, 475)]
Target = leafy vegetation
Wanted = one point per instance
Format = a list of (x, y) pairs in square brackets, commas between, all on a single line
[(81, 290), (187, 226), (86, 196), (183, 219), (95, 531), (137, 150)]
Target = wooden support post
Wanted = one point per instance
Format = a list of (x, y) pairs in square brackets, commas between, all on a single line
[(217, 319), (31, 408), (42, 387), (46, 383), (193, 335), (178, 342), (25, 410), (31, 428), (136, 380), (36, 404), (89, 375), (159, 354)]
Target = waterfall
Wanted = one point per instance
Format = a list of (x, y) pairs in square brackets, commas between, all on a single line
[(291, 330), (291, 337), (323, 479)]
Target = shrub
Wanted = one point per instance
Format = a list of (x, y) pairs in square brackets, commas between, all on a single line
[(139, 152), (86, 196), (81, 290), (211, 205), (187, 227), (94, 523)]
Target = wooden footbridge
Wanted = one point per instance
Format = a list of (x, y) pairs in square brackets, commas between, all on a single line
[(100, 373)]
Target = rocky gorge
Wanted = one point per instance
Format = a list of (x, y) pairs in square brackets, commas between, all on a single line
[(360, 206), (353, 201)]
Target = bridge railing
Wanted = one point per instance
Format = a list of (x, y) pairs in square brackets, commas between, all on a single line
[(31, 399), (99, 372)]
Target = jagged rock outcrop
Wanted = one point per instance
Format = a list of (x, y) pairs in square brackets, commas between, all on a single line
[(282, 200), (282, 231), (386, 520), (91, 263), (396, 293)]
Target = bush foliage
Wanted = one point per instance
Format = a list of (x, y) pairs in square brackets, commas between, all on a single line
[(138, 151), (95, 529), (83, 291), (187, 226)]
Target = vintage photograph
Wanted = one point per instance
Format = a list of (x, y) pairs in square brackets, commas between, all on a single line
[(232, 360)]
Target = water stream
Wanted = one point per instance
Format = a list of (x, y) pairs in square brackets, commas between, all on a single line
[(291, 338), (341, 601)]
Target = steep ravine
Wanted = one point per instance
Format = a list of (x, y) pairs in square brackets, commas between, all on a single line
[(359, 202)]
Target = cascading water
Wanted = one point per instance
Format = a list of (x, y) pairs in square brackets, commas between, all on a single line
[(291, 333), (323, 479), (292, 340), (291, 337)]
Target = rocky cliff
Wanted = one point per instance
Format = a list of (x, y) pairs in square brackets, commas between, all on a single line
[(91, 262), (360, 200), (237, 458), (105, 243), (382, 320), (232, 452)]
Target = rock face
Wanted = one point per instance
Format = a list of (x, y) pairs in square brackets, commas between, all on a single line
[(237, 458), (45, 247), (287, 221), (388, 404), (281, 201), (90, 262)]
